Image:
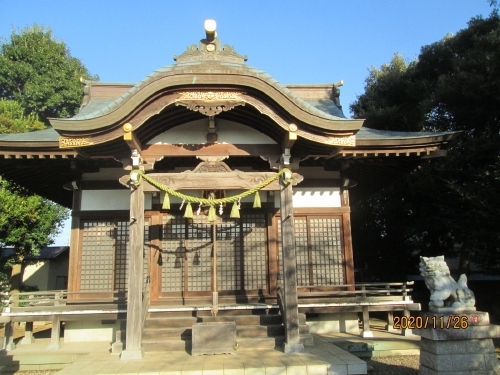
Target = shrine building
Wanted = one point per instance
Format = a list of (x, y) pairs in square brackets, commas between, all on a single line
[(208, 189)]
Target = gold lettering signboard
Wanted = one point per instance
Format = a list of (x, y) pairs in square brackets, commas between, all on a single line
[(74, 142), (342, 141)]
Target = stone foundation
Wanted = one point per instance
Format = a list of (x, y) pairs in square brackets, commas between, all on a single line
[(458, 344), (90, 330), (334, 323)]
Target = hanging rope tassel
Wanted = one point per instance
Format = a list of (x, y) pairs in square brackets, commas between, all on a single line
[(188, 214), (166, 202), (256, 200), (235, 211), (212, 216)]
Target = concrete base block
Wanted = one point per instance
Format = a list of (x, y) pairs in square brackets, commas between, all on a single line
[(334, 323), (117, 346), (28, 334), (367, 334), (54, 345), (293, 348), (9, 346), (27, 339), (407, 332), (128, 355), (85, 331), (213, 338)]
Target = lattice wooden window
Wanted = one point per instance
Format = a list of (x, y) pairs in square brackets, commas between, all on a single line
[(254, 229), (198, 255), (326, 251), (318, 248), (105, 255), (302, 251), (187, 253), (172, 255), (229, 254), (121, 255), (98, 245)]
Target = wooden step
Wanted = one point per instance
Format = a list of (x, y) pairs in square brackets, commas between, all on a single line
[(244, 319), (173, 322), (182, 333), (257, 330), (166, 345)]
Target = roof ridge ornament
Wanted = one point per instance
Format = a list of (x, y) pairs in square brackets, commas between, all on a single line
[(210, 49)]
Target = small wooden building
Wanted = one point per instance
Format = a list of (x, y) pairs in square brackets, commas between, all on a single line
[(213, 135)]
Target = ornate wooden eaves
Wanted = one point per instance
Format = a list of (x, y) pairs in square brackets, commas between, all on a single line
[(212, 175), (209, 103)]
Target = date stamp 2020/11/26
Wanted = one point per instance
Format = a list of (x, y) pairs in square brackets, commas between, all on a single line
[(436, 322)]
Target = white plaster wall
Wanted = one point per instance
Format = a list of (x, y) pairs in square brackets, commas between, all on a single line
[(37, 274), (105, 174), (87, 331), (195, 132), (105, 200), (313, 197)]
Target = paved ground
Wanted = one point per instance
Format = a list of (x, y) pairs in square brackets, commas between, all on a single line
[(326, 357), (322, 359)]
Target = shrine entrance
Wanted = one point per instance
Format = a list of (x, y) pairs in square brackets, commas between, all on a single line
[(194, 257)]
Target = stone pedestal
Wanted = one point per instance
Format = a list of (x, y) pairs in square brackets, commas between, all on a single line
[(457, 343), (214, 338)]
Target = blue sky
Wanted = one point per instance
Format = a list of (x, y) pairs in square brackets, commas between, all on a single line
[(316, 41)]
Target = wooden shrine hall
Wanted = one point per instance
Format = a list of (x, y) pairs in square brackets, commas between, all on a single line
[(208, 189)]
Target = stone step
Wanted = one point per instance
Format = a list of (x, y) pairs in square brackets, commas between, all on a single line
[(243, 343), (242, 320), (241, 332)]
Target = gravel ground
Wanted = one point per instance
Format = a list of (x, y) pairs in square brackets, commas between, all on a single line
[(397, 365)]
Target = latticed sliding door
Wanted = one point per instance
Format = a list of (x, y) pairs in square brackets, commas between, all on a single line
[(187, 255), (98, 256), (319, 250), (105, 254)]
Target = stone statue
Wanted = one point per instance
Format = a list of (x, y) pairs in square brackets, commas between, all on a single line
[(445, 291)]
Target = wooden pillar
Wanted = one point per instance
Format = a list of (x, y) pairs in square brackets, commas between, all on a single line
[(133, 341), (290, 299), (75, 254)]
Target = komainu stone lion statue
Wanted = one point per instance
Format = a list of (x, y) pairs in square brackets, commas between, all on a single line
[(445, 291)]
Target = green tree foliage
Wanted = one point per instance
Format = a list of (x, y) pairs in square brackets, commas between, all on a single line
[(27, 222), (39, 79), (453, 86), (38, 71), (13, 119)]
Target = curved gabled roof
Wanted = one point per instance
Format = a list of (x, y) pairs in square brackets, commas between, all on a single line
[(197, 69)]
